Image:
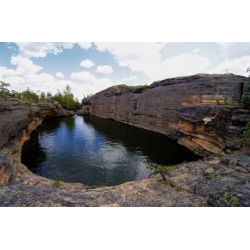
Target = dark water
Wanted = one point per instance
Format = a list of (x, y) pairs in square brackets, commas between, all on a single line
[(96, 151)]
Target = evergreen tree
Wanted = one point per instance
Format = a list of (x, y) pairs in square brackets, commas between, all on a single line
[(3, 87), (49, 96), (67, 93)]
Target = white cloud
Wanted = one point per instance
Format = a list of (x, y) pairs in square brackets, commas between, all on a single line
[(87, 63), (196, 50), (41, 49), (24, 66), (146, 58), (91, 83), (127, 53), (105, 69), (82, 76), (59, 75), (85, 45), (235, 50), (15, 80), (87, 77), (237, 58), (225, 45), (182, 65), (26, 74), (237, 66), (131, 78)]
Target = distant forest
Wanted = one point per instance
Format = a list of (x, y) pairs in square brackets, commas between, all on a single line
[(64, 97)]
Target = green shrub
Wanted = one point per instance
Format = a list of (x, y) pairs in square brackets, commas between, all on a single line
[(159, 169), (144, 88), (245, 101), (3, 87), (56, 184), (246, 133)]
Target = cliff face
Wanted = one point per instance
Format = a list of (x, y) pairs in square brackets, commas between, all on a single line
[(17, 121), (197, 111)]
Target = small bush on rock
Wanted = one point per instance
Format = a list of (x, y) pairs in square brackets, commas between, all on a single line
[(160, 169), (246, 133)]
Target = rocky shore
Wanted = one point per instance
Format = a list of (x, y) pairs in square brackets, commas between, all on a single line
[(201, 112), (213, 182)]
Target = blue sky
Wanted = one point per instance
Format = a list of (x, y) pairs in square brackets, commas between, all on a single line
[(91, 67)]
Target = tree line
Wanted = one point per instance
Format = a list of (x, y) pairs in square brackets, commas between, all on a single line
[(65, 97)]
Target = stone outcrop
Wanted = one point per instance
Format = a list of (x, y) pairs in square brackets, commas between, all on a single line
[(199, 111), (16, 115), (48, 110), (17, 120), (209, 128), (212, 182)]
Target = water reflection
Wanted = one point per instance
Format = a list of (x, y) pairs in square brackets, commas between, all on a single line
[(96, 151), (158, 148), (34, 147)]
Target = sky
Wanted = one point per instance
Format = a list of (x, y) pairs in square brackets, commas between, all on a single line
[(90, 67)]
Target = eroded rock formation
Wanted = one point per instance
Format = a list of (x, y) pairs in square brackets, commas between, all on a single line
[(17, 120), (199, 111)]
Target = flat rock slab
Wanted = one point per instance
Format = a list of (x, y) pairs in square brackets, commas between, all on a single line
[(135, 195), (188, 184)]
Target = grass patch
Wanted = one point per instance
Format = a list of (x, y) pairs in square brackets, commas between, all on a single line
[(158, 168), (56, 184)]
